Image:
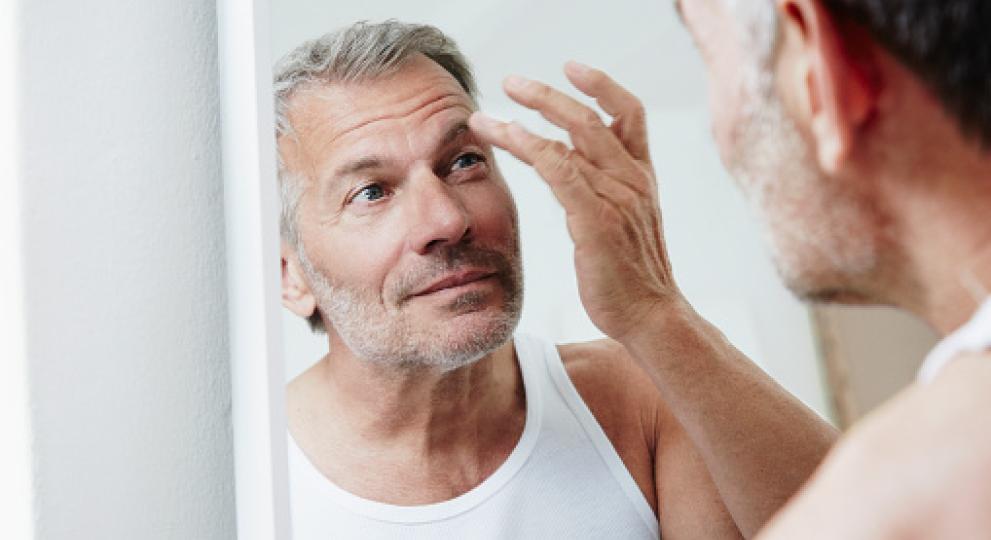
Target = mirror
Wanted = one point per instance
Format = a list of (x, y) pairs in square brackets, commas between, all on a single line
[(713, 239), (707, 224)]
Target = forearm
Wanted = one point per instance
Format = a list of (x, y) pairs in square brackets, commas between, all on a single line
[(758, 441)]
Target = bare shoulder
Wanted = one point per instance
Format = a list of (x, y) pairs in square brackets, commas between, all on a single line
[(956, 401), (623, 400), (615, 388), (920, 464)]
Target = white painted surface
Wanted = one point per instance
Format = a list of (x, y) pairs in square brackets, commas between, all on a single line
[(16, 491), (124, 270), (714, 242), (880, 350), (251, 210)]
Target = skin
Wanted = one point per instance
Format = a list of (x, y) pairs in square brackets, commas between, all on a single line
[(437, 433), (757, 441), (689, 416), (919, 466)]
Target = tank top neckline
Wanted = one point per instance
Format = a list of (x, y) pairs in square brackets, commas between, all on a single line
[(525, 359)]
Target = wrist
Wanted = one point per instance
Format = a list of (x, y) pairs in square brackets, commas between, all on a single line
[(665, 320)]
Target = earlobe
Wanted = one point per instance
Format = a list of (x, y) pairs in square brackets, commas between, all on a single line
[(839, 79), (296, 294)]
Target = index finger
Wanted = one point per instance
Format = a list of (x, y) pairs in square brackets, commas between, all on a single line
[(553, 160), (630, 119)]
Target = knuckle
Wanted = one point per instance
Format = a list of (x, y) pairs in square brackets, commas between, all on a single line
[(542, 91), (627, 199), (551, 153), (637, 109), (589, 119)]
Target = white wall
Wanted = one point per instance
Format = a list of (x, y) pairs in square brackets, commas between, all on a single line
[(16, 491), (124, 270), (714, 242)]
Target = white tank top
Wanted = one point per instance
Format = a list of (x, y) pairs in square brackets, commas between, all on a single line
[(974, 336), (563, 479)]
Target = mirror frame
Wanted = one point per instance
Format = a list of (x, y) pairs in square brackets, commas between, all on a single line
[(251, 208)]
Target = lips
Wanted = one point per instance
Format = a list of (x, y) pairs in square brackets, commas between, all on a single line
[(456, 279)]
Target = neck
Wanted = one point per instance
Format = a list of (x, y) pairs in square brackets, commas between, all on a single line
[(424, 411), (946, 236)]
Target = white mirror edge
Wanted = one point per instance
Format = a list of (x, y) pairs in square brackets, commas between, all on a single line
[(253, 273)]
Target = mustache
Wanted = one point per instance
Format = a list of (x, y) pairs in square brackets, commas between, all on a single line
[(449, 259)]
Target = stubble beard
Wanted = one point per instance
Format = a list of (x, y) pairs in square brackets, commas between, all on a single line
[(394, 340), (822, 239)]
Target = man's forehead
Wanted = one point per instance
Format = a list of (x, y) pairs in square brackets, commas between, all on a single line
[(420, 97)]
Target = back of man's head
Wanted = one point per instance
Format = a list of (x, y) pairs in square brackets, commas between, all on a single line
[(943, 42)]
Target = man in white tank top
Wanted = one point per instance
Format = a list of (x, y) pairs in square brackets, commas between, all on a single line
[(426, 419), (861, 130)]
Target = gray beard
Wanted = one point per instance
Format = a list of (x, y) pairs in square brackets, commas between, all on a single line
[(821, 238), (392, 342)]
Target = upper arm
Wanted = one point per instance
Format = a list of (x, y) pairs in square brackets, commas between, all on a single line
[(689, 505), (651, 443)]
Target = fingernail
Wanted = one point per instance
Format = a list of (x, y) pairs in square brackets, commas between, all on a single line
[(484, 120), (515, 82), (577, 68)]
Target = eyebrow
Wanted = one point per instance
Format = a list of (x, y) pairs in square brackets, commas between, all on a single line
[(354, 167), (453, 133)]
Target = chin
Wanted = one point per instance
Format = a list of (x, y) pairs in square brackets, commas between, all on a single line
[(835, 296), (832, 287), (470, 336)]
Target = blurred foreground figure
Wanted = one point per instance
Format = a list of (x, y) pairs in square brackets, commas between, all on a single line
[(861, 131), (428, 418)]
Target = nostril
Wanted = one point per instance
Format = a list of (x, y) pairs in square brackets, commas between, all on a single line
[(465, 238)]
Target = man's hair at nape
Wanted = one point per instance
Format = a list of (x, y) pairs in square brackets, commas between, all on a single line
[(943, 42), (359, 52)]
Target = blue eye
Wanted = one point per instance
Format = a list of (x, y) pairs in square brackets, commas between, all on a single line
[(467, 160), (370, 193)]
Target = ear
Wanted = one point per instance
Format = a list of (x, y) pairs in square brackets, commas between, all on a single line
[(296, 294), (830, 75)]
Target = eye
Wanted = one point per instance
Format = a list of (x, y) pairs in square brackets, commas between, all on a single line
[(369, 193), (467, 160)]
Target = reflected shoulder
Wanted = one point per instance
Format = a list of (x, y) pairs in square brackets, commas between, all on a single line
[(615, 388)]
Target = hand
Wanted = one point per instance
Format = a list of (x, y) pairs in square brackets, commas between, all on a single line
[(607, 187)]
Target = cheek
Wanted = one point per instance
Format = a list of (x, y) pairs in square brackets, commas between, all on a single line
[(726, 93), (723, 108), (728, 107), (493, 212), (353, 260)]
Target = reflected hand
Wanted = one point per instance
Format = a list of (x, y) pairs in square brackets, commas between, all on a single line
[(607, 186)]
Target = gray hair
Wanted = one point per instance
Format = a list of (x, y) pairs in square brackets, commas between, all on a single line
[(355, 53)]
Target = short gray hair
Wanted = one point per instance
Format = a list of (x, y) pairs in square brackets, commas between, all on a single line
[(355, 53), (361, 51)]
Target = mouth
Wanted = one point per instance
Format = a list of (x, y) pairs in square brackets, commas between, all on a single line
[(456, 280)]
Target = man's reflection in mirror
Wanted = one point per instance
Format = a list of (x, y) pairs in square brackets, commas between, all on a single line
[(428, 417)]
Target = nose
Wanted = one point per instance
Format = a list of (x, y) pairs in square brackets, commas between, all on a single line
[(438, 216)]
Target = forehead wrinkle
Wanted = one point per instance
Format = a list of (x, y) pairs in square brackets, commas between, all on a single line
[(320, 149)]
